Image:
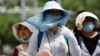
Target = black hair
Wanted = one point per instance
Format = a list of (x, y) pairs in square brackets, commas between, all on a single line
[(77, 13), (89, 18)]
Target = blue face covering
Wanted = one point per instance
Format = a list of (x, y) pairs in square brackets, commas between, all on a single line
[(50, 21), (52, 18), (24, 40), (88, 26)]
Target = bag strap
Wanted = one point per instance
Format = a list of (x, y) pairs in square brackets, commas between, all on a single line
[(40, 35), (79, 38), (66, 39)]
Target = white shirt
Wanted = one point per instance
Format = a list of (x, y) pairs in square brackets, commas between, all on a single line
[(56, 44)]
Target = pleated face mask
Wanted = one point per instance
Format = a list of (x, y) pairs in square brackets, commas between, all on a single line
[(88, 26)]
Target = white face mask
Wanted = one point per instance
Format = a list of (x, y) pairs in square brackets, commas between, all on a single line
[(24, 40)]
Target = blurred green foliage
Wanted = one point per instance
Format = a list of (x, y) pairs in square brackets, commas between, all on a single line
[(78, 5), (7, 20)]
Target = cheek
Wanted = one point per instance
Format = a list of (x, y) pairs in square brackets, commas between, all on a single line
[(21, 34), (24, 34), (27, 34)]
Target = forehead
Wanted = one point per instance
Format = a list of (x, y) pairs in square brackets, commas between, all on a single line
[(22, 27), (53, 10), (88, 18)]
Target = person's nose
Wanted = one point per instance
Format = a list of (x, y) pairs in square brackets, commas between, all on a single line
[(22, 33)]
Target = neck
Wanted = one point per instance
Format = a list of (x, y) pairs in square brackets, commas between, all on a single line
[(54, 30), (90, 34)]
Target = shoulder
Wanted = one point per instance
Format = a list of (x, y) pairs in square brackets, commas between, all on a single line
[(15, 52), (20, 47), (65, 29)]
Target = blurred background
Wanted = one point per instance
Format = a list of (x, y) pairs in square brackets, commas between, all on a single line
[(14, 11)]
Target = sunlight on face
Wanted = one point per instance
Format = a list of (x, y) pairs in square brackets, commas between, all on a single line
[(24, 32)]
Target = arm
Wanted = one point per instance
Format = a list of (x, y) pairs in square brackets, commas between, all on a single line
[(75, 49), (32, 50), (43, 53)]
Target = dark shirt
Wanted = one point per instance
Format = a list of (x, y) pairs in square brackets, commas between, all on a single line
[(91, 43)]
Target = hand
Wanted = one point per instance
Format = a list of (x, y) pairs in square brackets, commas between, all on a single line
[(43, 53)]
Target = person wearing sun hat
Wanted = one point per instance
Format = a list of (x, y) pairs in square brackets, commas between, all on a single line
[(51, 21), (22, 31)]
